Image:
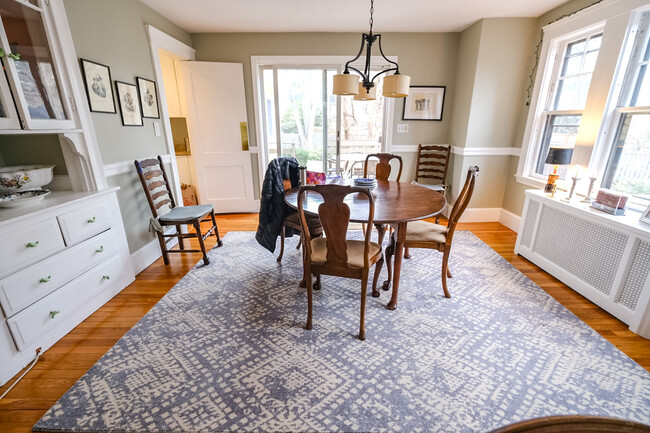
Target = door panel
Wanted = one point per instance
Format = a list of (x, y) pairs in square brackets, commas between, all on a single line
[(212, 95)]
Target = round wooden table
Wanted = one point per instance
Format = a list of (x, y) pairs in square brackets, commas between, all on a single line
[(396, 203)]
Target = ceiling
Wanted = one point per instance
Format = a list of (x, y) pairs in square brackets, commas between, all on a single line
[(197, 16)]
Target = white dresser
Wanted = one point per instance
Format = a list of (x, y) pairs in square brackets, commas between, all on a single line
[(60, 260), (603, 257)]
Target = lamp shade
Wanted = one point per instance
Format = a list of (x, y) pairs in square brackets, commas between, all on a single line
[(559, 156), (396, 86), (346, 84), (366, 95)]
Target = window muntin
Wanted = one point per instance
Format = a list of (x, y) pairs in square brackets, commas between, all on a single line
[(560, 130), (575, 76)]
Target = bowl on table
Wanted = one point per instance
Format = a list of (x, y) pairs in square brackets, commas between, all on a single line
[(21, 178)]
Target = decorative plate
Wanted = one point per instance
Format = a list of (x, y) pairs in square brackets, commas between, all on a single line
[(23, 198)]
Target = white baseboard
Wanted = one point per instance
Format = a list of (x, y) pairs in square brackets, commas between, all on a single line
[(510, 220), (148, 254)]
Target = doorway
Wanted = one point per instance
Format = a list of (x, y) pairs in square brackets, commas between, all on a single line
[(297, 115)]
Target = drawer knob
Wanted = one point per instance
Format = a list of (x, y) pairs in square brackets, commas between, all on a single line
[(32, 244), (54, 313), (106, 277), (45, 280), (92, 220), (100, 249)]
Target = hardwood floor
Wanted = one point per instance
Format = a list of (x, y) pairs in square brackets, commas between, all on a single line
[(65, 362)]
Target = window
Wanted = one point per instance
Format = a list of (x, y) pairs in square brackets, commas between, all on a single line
[(594, 100)]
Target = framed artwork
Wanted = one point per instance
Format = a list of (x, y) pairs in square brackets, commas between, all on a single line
[(424, 103), (127, 95), (97, 78), (148, 98), (645, 217)]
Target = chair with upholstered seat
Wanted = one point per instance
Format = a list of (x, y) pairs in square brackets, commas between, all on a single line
[(383, 167), (292, 221), (334, 254), (422, 234), (431, 166), (165, 212)]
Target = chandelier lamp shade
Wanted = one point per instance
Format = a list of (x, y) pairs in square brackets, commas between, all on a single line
[(395, 85)]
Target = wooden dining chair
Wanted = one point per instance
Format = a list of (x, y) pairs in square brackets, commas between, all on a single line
[(165, 212), (383, 167), (431, 166), (574, 424), (334, 254), (422, 234)]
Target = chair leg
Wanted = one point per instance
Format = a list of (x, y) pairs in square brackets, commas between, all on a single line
[(299, 243), (375, 278), (181, 245), (163, 247), (197, 227), (448, 272), (317, 283), (445, 264), (407, 253), (216, 228), (281, 244), (388, 255), (309, 296), (364, 295)]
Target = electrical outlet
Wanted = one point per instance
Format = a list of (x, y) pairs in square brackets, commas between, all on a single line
[(402, 128), (156, 129)]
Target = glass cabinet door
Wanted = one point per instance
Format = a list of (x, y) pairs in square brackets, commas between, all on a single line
[(8, 115), (31, 68)]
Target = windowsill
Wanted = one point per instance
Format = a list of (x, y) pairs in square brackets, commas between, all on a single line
[(529, 181)]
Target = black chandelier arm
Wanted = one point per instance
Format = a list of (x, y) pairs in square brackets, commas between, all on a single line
[(386, 58), (347, 65), (385, 71), (363, 76)]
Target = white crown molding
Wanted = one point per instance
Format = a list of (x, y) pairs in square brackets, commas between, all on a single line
[(123, 167)]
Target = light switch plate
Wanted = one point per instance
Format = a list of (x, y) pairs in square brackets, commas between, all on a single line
[(156, 129), (402, 128)]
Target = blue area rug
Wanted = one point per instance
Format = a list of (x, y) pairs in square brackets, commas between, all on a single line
[(225, 350)]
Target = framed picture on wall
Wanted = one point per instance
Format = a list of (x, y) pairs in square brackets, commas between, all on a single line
[(424, 103), (127, 95), (148, 98), (97, 78)]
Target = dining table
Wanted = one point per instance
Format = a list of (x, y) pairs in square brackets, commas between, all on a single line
[(396, 203)]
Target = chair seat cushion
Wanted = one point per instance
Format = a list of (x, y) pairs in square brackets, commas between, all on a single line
[(422, 231), (355, 251), (186, 213), (440, 188)]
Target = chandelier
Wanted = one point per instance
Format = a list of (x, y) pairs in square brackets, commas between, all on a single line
[(395, 86)]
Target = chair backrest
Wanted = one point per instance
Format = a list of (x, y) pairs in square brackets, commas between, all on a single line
[(334, 215), (156, 185), (383, 167), (432, 163), (461, 202)]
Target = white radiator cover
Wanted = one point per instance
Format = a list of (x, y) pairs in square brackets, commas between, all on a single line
[(603, 257)]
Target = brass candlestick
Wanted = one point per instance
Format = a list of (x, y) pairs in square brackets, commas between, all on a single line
[(588, 199)]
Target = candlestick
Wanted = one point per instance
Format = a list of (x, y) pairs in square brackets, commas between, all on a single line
[(588, 198), (573, 188)]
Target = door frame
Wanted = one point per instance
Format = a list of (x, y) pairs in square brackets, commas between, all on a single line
[(180, 51), (332, 62)]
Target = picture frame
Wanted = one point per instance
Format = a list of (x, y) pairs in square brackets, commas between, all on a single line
[(127, 95), (148, 98), (424, 103), (99, 91), (645, 216)]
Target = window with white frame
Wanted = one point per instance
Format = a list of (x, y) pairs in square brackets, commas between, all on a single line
[(592, 92)]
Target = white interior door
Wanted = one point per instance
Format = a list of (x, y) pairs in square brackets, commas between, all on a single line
[(212, 95)]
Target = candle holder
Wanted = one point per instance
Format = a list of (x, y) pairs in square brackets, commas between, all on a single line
[(573, 188), (588, 198)]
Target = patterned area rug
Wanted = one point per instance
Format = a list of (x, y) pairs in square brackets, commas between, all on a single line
[(225, 350)]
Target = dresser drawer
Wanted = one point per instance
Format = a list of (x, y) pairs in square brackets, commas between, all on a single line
[(84, 223), (42, 316), (28, 244), (23, 288)]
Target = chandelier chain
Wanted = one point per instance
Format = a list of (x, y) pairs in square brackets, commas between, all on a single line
[(372, 9)]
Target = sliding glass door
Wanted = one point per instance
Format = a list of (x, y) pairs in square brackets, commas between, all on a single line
[(304, 120)]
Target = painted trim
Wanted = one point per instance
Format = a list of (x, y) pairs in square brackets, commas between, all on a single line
[(481, 215), (510, 220), (145, 256), (163, 40), (486, 151), (123, 167)]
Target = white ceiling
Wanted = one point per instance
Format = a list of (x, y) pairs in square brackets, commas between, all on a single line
[(198, 16)]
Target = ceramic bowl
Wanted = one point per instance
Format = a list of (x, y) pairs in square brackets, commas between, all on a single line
[(25, 177)]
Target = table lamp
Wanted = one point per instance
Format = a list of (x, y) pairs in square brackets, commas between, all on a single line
[(556, 156)]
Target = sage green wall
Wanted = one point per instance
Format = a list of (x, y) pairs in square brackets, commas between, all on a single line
[(429, 58), (492, 74), (113, 33), (513, 199), (32, 149)]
